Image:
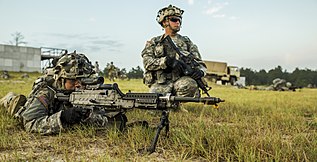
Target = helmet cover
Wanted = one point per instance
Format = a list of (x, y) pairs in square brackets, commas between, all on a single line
[(168, 11)]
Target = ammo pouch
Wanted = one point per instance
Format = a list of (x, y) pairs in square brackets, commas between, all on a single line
[(148, 78), (161, 77)]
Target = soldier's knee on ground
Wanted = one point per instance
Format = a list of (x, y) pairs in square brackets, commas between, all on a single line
[(186, 87)]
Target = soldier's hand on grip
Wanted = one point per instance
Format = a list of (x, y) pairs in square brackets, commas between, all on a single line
[(174, 64), (72, 115), (197, 74), (169, 61)]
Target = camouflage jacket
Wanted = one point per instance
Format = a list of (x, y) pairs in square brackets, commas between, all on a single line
[(111, 68), (154, 57), (42, 111)]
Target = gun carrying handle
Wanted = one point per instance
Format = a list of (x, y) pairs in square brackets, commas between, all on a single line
[(116, 87)]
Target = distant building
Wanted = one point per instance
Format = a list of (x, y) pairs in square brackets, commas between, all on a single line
[(25, 59), (20, 58)]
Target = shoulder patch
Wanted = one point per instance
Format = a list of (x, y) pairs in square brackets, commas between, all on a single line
[(43, 99)]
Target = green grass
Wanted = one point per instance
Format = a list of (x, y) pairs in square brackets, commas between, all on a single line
[(249, 126)]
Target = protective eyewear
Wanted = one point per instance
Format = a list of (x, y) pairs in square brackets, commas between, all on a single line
[(175, 19)]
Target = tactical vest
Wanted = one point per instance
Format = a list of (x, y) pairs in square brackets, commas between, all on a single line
[(161, 49)]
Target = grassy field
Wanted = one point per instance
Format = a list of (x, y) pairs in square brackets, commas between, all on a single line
[(249, 126)]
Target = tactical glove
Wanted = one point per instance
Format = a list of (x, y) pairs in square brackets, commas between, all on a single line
[(197, 74), (178, 67), (174, 64), (72, 115), (169, 61)]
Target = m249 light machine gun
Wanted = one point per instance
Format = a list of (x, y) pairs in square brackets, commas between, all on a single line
[(111, 99)]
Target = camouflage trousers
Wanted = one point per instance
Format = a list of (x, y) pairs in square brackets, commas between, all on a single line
[(112, 76), (184, 87)]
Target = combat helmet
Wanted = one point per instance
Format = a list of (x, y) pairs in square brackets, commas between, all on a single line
[(168, 11), (72, 66)]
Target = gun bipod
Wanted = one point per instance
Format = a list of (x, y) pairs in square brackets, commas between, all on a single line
[(164, 122)]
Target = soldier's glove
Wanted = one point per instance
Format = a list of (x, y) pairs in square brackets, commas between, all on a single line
[(72, 115), (197, 74), (174, 64), (169, 61)]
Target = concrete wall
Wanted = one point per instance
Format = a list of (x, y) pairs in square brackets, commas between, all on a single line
[(20, 58)]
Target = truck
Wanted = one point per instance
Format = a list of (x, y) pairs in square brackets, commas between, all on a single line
[(220, 71)]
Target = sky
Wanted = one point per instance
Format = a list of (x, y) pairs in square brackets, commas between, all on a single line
[(256, 34)]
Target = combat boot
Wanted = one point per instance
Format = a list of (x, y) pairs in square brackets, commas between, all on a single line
[(4, 101), (16, 103), (12, 102)]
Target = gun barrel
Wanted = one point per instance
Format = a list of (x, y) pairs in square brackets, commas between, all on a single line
[(205, 100)]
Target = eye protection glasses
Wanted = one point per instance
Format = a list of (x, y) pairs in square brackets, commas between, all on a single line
[(175, 19)]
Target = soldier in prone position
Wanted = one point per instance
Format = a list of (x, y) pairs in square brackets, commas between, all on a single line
[(163, 70), (41, 112)]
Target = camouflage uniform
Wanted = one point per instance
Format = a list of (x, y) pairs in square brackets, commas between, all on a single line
[(97, 70), (160, 77), (112, 72), (42, 111)]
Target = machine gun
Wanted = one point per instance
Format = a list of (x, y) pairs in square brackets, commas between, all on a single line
[(111, 99), (188, 64)]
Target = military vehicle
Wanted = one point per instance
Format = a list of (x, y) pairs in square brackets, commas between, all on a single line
[(220, 71)]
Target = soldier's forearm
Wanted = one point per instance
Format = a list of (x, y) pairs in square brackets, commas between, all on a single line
[(151, 63)]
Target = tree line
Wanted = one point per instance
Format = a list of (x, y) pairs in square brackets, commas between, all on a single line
[(299, 77), (134, 73)]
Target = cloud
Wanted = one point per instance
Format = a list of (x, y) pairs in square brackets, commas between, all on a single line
[(76, 36), (84, 42), (190, 2), (219, 15), (92, 19), (110, 43), (215, 9), (233, 18)]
